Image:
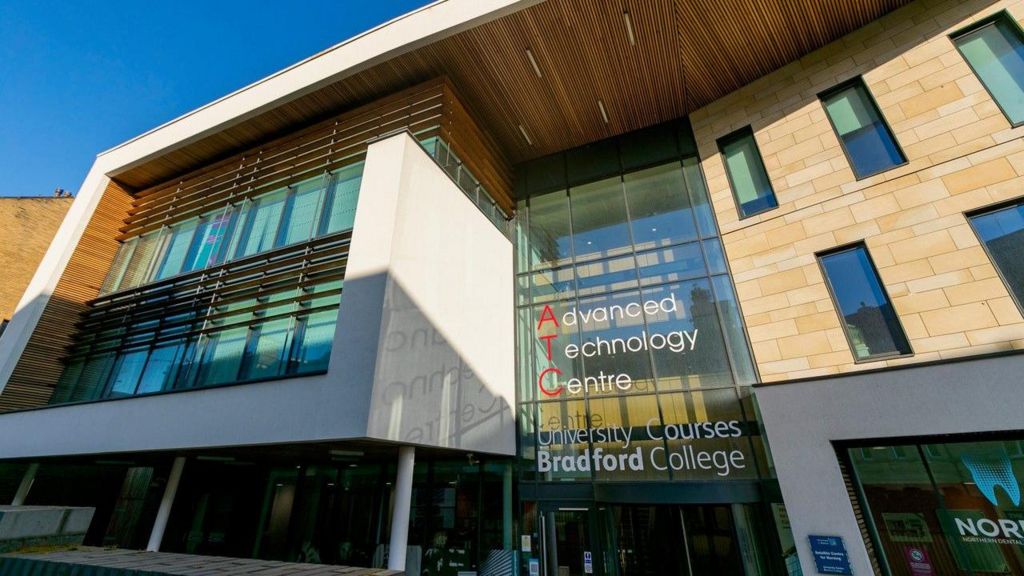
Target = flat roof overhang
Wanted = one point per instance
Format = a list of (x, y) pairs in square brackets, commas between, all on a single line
[(539, 77)]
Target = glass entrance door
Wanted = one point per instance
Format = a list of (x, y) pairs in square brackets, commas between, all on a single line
[(676, 540), (568, 542)]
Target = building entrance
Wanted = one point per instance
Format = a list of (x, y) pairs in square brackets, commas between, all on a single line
[(683, 540), (647, 540)]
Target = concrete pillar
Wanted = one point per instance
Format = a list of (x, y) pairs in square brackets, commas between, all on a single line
[(26, 484), (160, 524), (402, 508)]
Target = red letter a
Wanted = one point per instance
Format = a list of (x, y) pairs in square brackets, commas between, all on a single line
[(547, 315)]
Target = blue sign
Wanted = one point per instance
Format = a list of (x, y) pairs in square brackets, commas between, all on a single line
[(830, 555)]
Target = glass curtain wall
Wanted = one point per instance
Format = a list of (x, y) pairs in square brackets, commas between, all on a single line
[(633, 365), (269, 334), (628, 326)]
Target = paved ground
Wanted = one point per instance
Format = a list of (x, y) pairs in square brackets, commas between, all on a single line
[(108, 562)]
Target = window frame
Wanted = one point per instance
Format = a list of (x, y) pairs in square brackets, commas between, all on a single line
[(820, 256), (849, 83), (990, 209), (991, 20), (731, 138)]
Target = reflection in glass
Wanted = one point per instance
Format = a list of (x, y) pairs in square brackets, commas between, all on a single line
[(126, 374), (340, 201), (693, 355), (606, 275), (614, 341), (316, 336), (176, 249), (550, 242), (653, 229), (948, 500), (747, 175), (552, 284), (208, 247), (699, 197), (558, 424), (709, 422), (599, 219), (1002, 232), (732, 325), (996, 53), (715, 256), (222, 356), (301, 211), (869, 144), (260, 227), (869, 318), (161, 368), (670, 264), (659, 208), (614, 416)]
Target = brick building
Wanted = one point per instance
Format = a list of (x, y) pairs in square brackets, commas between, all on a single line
[(27, 225)]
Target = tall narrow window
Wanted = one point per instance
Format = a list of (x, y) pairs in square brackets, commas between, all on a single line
[(261, 225), (176, 249), (339, 211), (1002, 232), (747, 176), (864, 135), (995, 50), (301, 211), (869, 319), (206, 247)]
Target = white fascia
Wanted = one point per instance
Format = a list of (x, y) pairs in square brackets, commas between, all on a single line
[(401, 35)]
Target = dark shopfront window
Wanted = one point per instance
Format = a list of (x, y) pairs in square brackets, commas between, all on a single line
[(951, 508), (340, 512)]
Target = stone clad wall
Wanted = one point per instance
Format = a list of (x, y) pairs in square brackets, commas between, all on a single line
[(962, 155)]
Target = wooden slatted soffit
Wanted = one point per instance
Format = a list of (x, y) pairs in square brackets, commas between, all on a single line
[(545, 68), (32, 382)]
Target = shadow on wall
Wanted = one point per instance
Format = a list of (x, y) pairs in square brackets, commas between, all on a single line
[(427, 392)]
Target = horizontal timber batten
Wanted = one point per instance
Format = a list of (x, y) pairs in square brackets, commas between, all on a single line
[(32, 382), (429, 109)]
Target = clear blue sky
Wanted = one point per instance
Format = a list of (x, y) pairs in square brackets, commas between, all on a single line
[(77, 78)]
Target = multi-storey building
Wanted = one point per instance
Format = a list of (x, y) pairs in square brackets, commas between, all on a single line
[(555, 288)]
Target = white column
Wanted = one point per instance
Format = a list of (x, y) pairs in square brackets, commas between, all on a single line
[(26, 484), (160, 524), (400, 511)]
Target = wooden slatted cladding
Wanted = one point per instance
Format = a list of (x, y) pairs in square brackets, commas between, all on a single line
[(428, 109), (684, 55), (32, 382)]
